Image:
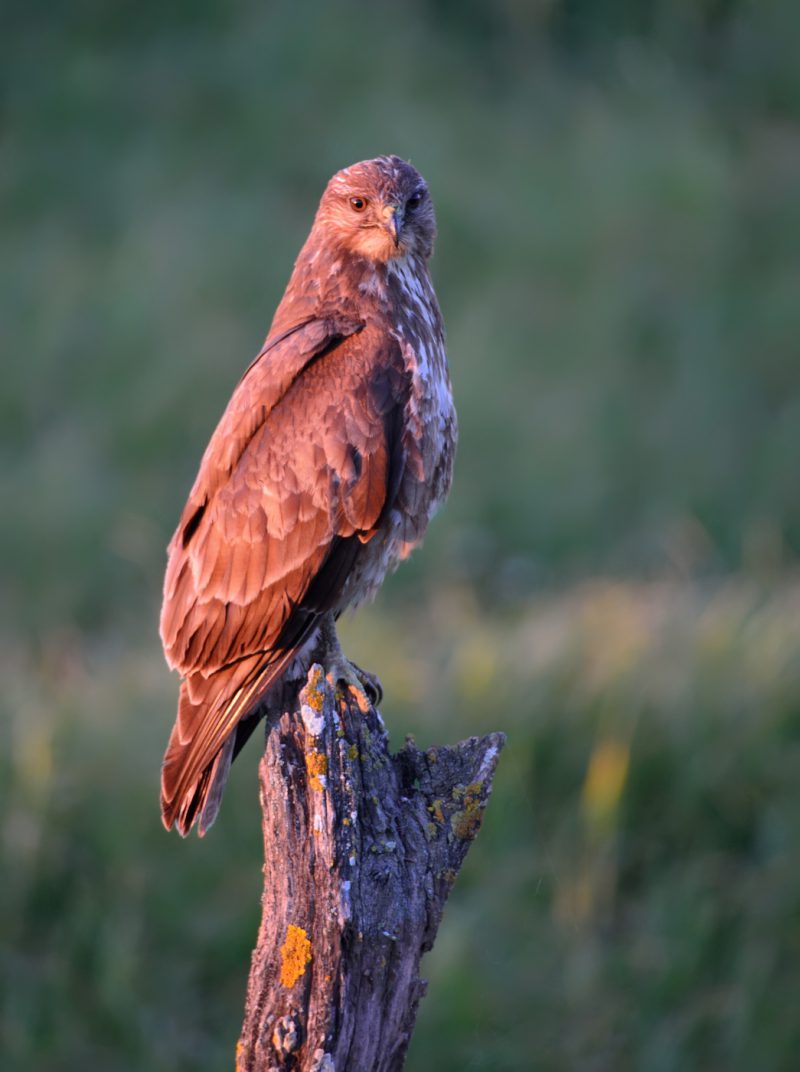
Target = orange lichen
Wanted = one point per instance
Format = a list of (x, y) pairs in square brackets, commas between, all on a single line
[(315, 691), (466, 822), (317, 766), (295, 955)]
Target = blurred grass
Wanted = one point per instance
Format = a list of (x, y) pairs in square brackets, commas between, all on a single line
[(631, 902), (616, 184)]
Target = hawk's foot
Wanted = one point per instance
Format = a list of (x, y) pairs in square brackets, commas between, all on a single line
[(344, 675), (365, 687), (370, 683)]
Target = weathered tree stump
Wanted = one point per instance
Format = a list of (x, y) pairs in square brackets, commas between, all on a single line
[(361, 849)]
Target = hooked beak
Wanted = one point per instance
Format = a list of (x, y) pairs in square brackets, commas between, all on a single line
[(393, 219)]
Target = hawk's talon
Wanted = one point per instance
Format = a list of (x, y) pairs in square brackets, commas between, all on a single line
[(370, 684), (365, 688)]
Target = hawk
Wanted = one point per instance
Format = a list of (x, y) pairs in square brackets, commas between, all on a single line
[(334, 452)]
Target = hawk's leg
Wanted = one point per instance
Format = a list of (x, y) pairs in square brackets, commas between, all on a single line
[(341, 670)]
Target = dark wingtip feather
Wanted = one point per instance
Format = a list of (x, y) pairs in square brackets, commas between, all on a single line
[(202, 801)]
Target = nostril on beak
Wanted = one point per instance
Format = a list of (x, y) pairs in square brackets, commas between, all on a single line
[(393, 215)]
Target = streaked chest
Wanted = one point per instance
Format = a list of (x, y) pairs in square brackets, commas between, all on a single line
[(420, 332)]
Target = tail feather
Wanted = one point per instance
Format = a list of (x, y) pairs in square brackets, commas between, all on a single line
[(219, 771), (216, 716), (203, 743)]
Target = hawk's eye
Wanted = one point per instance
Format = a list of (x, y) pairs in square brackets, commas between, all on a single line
[(414, 201), (358, 204)]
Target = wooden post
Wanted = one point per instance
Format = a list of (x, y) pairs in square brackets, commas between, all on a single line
[(361, 849)]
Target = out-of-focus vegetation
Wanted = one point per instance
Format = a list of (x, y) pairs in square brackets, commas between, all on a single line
[(613, 582)]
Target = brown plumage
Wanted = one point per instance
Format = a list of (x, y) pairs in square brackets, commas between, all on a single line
[(334, 451)]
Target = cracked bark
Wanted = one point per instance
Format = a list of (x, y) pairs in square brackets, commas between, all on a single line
[(361, 849)]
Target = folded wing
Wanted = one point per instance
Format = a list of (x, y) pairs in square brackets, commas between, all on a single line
[(297, 477)]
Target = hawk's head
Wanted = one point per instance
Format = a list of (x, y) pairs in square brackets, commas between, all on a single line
[(378, 209)]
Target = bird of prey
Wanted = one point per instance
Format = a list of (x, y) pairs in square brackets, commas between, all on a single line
[(333, 453)]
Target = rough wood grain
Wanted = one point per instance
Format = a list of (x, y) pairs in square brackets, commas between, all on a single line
[(361, 851)]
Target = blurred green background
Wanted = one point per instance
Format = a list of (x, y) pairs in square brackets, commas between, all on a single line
[(614, 582)]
